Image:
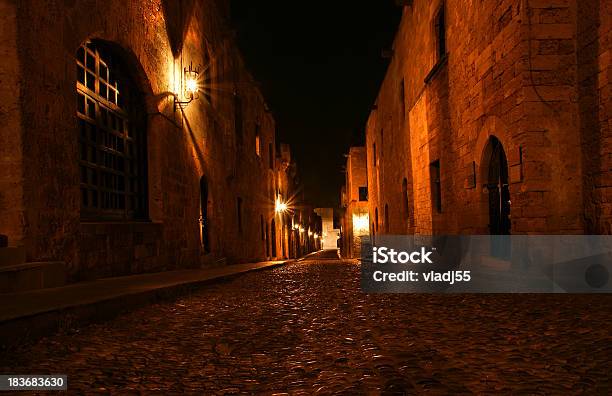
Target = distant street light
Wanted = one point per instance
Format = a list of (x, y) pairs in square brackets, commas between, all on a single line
[(280, 207)]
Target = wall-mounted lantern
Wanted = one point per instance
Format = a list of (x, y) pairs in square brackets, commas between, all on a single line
[(280, 206), (190, 87)]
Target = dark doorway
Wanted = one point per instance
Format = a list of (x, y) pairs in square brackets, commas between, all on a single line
[(273, 237), (499, 193), (204, 228), (267, 242), (499, 200)]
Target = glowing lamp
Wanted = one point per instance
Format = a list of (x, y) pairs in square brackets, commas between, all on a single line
[(280, 206), (190, 86)]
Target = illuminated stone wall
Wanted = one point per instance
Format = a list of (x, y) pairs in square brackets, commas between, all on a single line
[(532, 74), (356, 219), (40, 197)]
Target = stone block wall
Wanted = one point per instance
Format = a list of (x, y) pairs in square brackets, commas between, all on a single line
[(356, 176), (533, 75), (11, 152), (156, 40)]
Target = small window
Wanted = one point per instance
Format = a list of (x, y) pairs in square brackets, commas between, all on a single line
[(405, 198), (440, 27), (257, 141), (363, 194), (436, 190), (374, 154)]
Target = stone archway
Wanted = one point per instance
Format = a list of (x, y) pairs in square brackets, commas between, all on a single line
[(491, 130), (273, 237), (495, 178)]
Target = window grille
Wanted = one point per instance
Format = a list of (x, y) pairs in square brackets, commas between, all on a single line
[(112, 143)]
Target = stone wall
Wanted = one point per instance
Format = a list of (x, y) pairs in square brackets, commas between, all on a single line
[(11, 150), (528, 73), (356, 176), (156, 39)]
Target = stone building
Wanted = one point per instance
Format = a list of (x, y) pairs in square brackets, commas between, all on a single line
[(329, 233), (133, 138), (296, 224), (355, 223), (493, 117)]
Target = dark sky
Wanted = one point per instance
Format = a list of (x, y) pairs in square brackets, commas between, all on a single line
[(320, 66)]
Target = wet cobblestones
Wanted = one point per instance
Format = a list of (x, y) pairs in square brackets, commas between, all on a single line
[(306, 328)]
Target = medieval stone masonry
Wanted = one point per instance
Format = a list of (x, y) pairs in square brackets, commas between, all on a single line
[(108, 164), (354, 199), (494, 117)]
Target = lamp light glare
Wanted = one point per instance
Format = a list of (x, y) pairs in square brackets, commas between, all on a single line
[(361, 223), (280, 206), (191, 86)]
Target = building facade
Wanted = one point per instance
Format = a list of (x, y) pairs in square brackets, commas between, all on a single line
[(112, 163), (329, 233), (493, 118), (355, 222)]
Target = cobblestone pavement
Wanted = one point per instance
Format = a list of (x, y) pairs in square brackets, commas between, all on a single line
[(306, 328)]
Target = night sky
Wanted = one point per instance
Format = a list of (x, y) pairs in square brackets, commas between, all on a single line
[(320, 66)]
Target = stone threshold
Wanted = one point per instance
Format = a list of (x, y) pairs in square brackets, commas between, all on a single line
[(26, 316)]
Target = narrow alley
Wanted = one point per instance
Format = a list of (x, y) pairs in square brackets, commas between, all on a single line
[(223, 197)]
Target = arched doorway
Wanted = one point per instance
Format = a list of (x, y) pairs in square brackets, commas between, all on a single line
[(498, 189), (204, 226), (267, 241)]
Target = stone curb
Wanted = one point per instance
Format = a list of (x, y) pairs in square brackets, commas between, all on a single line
[(30, 328)]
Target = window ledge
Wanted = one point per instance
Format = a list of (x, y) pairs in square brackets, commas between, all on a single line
[(437, 67)]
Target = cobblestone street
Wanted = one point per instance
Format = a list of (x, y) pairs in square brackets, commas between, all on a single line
[(306, 328)]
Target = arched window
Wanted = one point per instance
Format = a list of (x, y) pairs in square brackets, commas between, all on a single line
[(112, 137), (257, 140)]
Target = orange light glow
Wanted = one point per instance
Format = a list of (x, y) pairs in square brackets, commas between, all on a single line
[(191, 86)]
